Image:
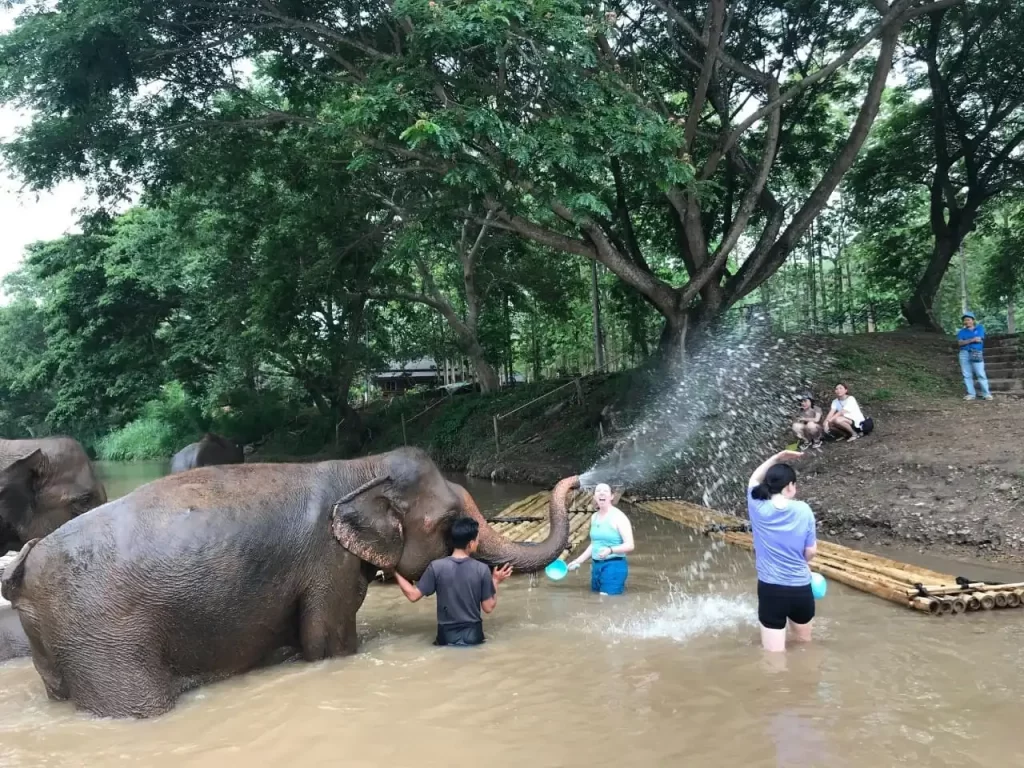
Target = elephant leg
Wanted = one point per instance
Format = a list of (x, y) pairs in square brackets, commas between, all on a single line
[(327, 615), (326, 631), (121, 681)]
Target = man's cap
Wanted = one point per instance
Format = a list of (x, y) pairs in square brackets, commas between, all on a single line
[(968, 314)]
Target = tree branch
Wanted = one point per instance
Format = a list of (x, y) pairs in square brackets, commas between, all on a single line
[(754, 272), (747, 207), (715, 16)]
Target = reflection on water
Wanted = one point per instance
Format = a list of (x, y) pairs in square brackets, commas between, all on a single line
[(669, 674), (123, 477)]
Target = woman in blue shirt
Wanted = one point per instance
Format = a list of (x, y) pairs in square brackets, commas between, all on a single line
[(784, 543), (971, 339), (611, 539)]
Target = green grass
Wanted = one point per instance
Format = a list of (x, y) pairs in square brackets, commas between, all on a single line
[(142, 439)]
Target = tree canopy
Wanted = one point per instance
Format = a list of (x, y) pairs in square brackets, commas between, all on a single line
[(298, 193)]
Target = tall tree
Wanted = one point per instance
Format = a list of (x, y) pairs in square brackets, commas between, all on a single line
[(962, 144), (588, 130)]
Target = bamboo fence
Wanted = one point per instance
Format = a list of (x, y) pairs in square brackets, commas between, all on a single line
[(908, 585)]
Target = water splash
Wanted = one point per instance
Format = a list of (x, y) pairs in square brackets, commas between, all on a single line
[(718, 411), (686, 617)]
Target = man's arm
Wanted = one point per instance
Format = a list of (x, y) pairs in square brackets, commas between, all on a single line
[(425, 588), (409, 589), (498, 576)]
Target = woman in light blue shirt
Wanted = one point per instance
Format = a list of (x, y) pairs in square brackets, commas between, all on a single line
[(611, 539), (784, 543)]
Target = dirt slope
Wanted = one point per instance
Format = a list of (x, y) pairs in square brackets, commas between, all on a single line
[(938, 473)]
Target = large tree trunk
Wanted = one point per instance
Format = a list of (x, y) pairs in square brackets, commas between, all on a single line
[(486, 374), (919, 309)]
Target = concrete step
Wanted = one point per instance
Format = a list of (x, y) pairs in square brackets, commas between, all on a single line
[(1000, 356), (1013, 370), (1008, 386)]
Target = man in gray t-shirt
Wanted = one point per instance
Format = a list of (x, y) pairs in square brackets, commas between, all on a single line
[(464, 588)]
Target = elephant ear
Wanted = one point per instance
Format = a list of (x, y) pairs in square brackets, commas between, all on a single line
[(365, 523), (31, 469)]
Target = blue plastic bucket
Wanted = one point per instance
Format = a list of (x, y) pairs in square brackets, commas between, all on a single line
[(818, 586), (557, 570)]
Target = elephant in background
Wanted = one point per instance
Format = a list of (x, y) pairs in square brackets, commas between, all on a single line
[(210, 450), (44, 483), (13, 641), (200, 576)]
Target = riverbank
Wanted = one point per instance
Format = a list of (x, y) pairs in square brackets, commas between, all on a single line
[(937, 475)]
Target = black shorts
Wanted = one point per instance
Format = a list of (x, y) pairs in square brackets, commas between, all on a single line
[(776, 603)]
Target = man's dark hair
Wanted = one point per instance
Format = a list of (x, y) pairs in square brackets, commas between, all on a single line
[(464, 530)]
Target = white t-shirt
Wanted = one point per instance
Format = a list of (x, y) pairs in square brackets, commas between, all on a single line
[(850, 409)]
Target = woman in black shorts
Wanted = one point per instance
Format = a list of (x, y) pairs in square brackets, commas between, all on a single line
[(784, 543)]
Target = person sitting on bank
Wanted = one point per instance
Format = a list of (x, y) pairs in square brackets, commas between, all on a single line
[(971, 339), (845, 416), (807, 426), (464, 587), (611, 539)]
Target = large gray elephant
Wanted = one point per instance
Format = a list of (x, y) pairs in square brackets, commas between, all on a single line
[(210, 450), (208, 574), (13, 640), (43, 484)]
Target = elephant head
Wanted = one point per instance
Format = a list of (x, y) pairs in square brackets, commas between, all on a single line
[(21, 483), (400, 515)]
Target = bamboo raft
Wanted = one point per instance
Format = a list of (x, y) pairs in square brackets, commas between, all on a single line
[(526, 521), (907, 585)]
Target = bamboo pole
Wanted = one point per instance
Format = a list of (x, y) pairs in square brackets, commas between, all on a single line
[(878, 589), (1000, 598), (973, 603), (988, 602), (909, 577), (957, 604), (1012, 600), (526, 530), (975, 587), (924, 575), (926, 604)]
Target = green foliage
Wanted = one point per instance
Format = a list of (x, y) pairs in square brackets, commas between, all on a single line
[(165, 425), (303, 226), (138, 440)]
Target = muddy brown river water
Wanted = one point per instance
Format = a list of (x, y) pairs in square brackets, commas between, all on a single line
[(669, 674)]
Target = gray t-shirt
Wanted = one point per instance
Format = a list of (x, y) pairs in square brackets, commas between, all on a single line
[(461, 585)]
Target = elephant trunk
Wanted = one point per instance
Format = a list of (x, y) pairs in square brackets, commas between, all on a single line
[(527, 558)]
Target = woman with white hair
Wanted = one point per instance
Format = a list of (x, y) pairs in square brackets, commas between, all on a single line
[(611, 539)]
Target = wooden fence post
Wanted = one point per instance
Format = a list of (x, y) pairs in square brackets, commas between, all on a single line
[(579, 391), (497, 444), (405, 440)]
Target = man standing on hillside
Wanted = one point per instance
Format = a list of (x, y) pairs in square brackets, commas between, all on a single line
[(972, 362)]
